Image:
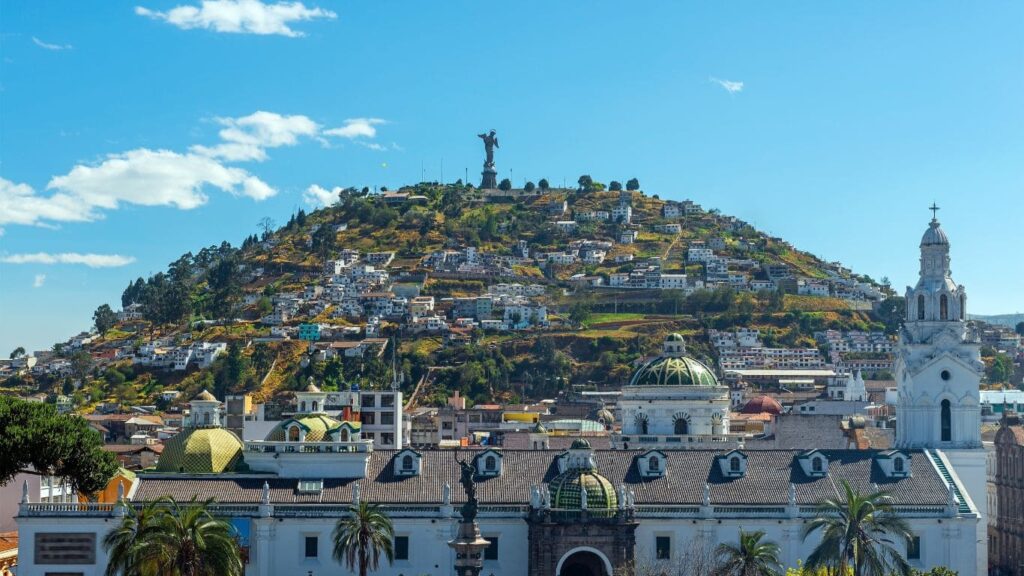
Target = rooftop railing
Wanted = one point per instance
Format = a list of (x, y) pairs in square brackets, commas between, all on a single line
[(309, 447)]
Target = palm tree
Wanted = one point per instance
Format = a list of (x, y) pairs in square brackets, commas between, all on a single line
[(194, 543), (361, 537), (858, 534), (752, 557), (166, 539), (130, 547)]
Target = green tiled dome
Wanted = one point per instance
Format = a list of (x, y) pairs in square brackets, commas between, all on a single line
[(318, 428), (566, 487), (674, 371), (201, 451)]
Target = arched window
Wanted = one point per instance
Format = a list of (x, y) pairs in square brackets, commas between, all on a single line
[(206, 419), (302, 406), (344, 434), (920, 306), (407, 462), (816, 465), (963, 307), (897, 464), (943, 307), (490, 463), (293, 434), (314, 406), (682, 426), (946, 422), (734, 464), (652, 463)]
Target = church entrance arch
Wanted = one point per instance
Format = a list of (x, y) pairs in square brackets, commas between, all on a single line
[(584, 561)]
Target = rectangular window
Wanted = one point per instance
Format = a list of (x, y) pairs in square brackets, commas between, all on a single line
[(368, 400), (387, 418), (491, 552), (368, 418), (663, 547), (914, 548), (312, 543), (387, 438), (401, 547), (387, 400)]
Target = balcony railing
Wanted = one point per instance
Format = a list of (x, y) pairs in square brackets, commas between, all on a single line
[(309, 447)]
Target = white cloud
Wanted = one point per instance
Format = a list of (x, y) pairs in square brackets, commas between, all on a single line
[(239, 16), (318, 196), (49, 46), (357, 127), (730, 86), (90, 260), (155, 178), (19, 204), (38, 281), (248, 137)]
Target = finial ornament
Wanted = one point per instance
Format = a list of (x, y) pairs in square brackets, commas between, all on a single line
[(265, 497), (935, 211), (446, 494), (24, 492), (355, 494)]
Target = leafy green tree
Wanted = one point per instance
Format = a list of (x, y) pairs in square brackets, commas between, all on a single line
[(505, 185), (615, 186), (632, 184), (586, 183), (17, 352), (752, 556), (104, 318), (37, 440), (858, 533), (892, 311), (530, 187), (1020, 328), (362, 537), (1000, 370), (264, 306), (81, 364), (580, 313), (130, 546), (543, 184)]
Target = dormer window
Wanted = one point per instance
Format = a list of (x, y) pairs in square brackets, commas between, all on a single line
[(814, 463), (293, 434), (894, 464), (897, 465), (652, 464), (408, 463), (733, 464), (489, 463)]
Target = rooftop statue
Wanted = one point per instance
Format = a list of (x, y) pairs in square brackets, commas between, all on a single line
[(469, 508)]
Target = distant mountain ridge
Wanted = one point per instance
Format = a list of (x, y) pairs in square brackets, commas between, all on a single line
[(1010, 320)]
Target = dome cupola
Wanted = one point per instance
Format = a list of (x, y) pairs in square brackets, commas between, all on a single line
[(674, 368)]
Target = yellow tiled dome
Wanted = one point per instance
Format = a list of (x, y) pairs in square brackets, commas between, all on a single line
[(201, 451)]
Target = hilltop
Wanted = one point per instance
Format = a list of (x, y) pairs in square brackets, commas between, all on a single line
[(505, 295)]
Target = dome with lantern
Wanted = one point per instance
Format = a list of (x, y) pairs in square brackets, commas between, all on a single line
[(674, 368)]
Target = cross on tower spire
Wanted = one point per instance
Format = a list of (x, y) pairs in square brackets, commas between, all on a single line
[(935, 209)]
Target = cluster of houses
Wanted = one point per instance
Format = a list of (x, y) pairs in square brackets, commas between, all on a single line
[(742, 349), (161, 353), (857, 351)]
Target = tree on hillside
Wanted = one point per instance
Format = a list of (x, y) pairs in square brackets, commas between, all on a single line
[(543, 184), (37, 440), (632, 184), (530, 187), (1020, 328), (586, 183), (18, 352), (892, 312), (580, 313), (81, 364), (615, 186), (266, 225), (1000, 370), (505, 185), (104, 318)]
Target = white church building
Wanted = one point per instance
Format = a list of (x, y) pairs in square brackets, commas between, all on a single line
[(677, 482)]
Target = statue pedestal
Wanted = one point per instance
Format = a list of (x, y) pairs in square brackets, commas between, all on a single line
[(489, 178), (469, 549)]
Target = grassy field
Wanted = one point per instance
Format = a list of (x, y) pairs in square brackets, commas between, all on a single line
[(603, 317)]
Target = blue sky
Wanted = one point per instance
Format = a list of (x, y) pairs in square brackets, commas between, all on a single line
[(132, 132)]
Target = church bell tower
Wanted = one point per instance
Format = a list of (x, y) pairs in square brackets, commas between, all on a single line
[(938, 363)]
